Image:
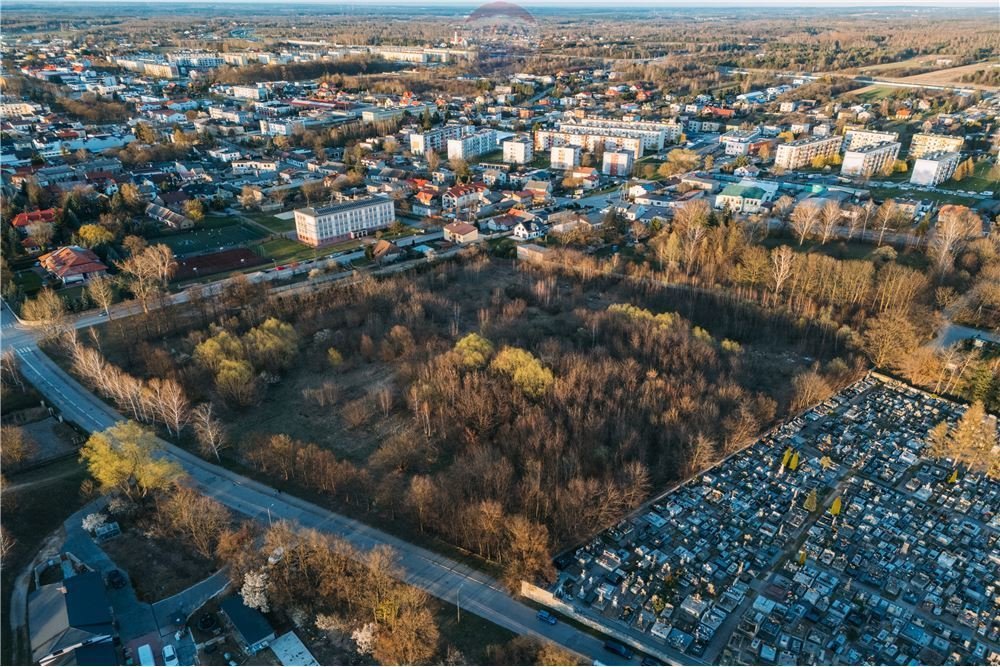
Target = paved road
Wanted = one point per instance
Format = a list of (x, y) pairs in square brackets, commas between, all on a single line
[(442, 577)]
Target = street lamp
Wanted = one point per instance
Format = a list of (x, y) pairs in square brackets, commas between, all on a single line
[(458, 603)]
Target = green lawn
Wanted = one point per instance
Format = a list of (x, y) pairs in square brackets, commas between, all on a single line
[(276, 225), (942, 197), (214, 235), (978, 182), (286, 250), (29, 282), (844, 250)]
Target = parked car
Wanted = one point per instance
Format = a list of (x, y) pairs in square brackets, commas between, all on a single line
[(546, 617), (170, 655), (618, 649)]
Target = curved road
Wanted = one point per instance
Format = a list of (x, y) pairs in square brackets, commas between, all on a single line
[(440, 576)]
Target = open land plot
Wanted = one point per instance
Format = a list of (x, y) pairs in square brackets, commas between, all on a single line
[(834, 539), (358, 433)]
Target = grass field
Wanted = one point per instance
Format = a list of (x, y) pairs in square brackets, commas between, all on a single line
[(941, 197), (276, 225), (978, 182), (286, 250), (213, 235), (844, 250), (29, 281)]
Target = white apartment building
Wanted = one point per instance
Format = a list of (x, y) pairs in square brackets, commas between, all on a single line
[(870, 160), (653, 135), (470, 146), (617, 163), (925, 143), (9, 109), (934, 168), (252, 166), (281, 128), (249, 92), (564, 157), (738, 142), (517, 151), (346, 219), (229, 115), (437, 139), (801, 152), (546, 139), (855, 139)]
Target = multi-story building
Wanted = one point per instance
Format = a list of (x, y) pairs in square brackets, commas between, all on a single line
[(517, 151), (801, 152), (546, 139), (564, 157), (195, 59), (934, 168), (392, 112), (617, 163), (281, 128), (230, 115), (250, 92), (254, 166), (437, 139), (460, 197), (653, 134), (470, 146), (738, 142), (926, 143), (857, 138), (350, 218), (868, 160)]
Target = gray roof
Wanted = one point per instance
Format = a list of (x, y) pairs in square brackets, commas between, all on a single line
[(58, 620)]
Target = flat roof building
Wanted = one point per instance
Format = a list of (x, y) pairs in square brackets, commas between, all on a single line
[(346, 219), (801, 152)]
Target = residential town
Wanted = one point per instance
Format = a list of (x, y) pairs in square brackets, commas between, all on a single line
[(500, 335)]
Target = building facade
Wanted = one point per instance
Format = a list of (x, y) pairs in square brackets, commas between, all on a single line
[(925, 144), (346, 219), (617, 163), (564, 157), (464, 148), (517, 151), (437, 139), (934, 168), (800, 153), (872, 159), (855, 139)]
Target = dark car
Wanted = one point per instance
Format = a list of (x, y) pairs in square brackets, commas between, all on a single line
[(116, 579), (546, 617), (618, 649)]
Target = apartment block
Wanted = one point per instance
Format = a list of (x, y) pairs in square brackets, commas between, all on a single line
[(564, 157), (925, 143), (801, 152), (934, 168), (546, 139), (870, 160), (738, 142), (346, 219), (467, 147), (653, 135), (437, 139), (517, 151), (855, 139), (617, 163)]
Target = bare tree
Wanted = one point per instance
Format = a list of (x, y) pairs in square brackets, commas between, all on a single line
[(829, 217), (170, 404), (954, 226), (887, 216), (211, 432), (48, 311), (804, 219), (782, 263), (102, 290)]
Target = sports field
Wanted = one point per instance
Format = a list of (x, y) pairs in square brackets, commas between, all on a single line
[(210, 238)]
